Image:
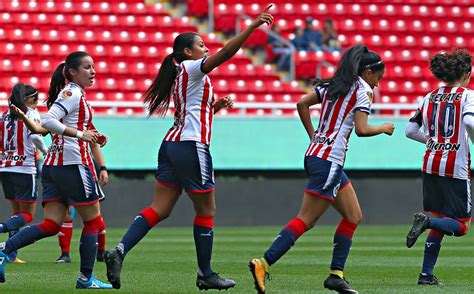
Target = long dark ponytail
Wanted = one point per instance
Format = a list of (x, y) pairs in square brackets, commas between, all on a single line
[(61, 74), (353, 62), (20, 93), (157, 96)]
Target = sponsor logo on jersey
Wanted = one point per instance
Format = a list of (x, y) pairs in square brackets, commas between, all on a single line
[(446, 97), (432, 145), (13, 157), (322, 140), (55, 148)]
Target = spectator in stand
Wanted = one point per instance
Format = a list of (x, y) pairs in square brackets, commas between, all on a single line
[(329, 37), (280, 50), (312, 36), (299, 41)]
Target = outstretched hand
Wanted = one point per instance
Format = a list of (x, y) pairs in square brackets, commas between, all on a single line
[(264, 17)]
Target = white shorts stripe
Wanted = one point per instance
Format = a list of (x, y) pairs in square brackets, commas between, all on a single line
[(332, 173), (201, 150), (85, 180)]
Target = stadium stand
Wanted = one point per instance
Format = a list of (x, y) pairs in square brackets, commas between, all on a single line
[(128, 39), (405, 33)]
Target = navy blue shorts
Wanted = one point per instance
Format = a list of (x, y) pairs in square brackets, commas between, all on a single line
[(326, 178), (448, 196), (185, 164), (19, 187), (70, 184)]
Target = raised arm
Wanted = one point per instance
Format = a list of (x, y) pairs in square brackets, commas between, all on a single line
[(363, 129), (303, 111), (32, 125), (235, 43)]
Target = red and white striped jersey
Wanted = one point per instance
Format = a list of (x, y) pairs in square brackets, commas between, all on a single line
[(330, 140), (441, 115), (77, 114), (18, 150), (194, 103)]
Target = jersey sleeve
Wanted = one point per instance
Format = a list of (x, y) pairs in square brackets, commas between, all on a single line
[(34, 116), (468, 108), (68, 100), (364, 99), (320, 91), (418, 116), (194, 67)]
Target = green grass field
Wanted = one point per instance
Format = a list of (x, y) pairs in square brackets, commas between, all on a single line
[(164, 262)]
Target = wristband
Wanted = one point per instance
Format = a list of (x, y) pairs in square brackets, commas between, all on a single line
[(103, 168), (79, 134)]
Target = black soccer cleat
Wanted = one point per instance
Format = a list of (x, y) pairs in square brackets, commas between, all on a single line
[(420, 224), (64, 258), (425, 279), (336, 283), (100, 255), (113, 262), (214, 281)]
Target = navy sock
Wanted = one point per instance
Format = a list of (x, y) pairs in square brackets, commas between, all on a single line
[(342, 244), (14, 253), (432, 248), (137, 230), (203, 240), (31, 234), (285, 240), (88, 246), (15, 222), (448, 226)]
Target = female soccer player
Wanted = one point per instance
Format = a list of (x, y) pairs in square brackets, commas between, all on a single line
[(67, 177), (17, 166), (447, 117), (346, 99), (184, 161)]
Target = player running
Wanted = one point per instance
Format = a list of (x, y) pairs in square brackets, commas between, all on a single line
[(447, 117), (345, 101)]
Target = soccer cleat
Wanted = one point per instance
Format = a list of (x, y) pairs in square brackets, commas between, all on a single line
[(425, 279), (3, 263), (214, 281), (336, 283), (420, 224), (64, 258), (113, 262), (18, 261), (100, 255), (91, 283), (259, 274)]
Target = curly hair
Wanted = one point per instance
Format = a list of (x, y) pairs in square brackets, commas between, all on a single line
[(450, 67)]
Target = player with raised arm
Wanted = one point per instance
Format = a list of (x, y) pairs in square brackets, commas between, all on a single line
[(184, 159)]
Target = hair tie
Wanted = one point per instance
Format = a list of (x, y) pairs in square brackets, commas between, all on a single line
[(64, 74), (373, 64)]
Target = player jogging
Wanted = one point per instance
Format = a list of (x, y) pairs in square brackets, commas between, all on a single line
[(447, 117), (345, 101)]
